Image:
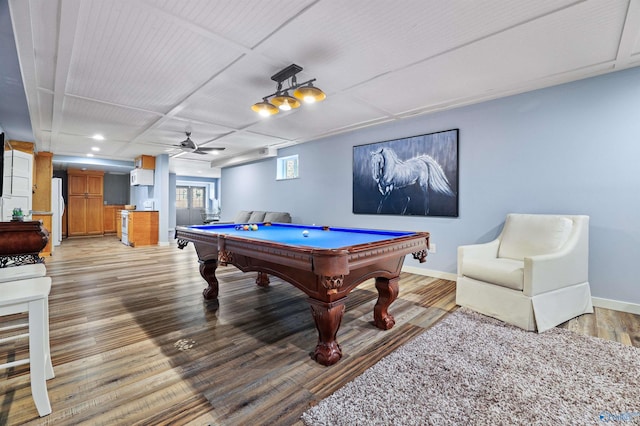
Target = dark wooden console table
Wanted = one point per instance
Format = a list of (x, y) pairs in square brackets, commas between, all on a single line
[(22, 242)]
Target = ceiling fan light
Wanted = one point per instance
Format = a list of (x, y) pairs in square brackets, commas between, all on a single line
[(309, 94), (285, 102), (264, 108)]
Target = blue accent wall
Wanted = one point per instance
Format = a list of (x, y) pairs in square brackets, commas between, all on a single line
[(572, 148), (116, 188)]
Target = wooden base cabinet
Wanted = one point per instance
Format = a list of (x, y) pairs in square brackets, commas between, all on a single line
[(143, 228), (110, 218), (85, 207)]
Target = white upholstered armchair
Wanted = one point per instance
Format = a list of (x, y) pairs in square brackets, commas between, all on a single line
[(534, 275)]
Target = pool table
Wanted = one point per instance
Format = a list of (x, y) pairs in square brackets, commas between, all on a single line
[(326, 263)]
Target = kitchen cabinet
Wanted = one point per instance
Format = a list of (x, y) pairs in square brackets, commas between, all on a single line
[(143, 228), (111, 213), (85, 208), (145, 162)]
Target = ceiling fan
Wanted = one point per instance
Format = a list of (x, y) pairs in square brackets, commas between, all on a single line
[(190, 146)]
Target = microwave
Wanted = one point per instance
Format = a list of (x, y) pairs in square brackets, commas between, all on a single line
[(141, 177)]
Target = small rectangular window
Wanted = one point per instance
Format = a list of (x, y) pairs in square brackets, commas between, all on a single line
[(287, 167)]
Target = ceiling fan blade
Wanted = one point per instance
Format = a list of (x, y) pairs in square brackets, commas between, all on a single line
[(207, 148), (197, 151)]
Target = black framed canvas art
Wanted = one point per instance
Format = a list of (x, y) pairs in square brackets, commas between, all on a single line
[(415, 176)]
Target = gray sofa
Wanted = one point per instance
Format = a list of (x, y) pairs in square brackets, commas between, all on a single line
[(258, 216)]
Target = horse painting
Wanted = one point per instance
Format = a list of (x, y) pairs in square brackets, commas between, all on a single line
[(391, 173)]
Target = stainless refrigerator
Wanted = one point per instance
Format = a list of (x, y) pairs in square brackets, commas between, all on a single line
[(57, 207)]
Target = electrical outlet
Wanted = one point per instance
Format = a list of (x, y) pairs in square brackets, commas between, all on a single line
[(432, 248)]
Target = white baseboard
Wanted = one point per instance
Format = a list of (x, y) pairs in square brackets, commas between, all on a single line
[(429, 272), (599, 302), (163, 243), (616, 305)]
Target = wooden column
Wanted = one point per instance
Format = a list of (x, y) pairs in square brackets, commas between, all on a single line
[(43, 173)]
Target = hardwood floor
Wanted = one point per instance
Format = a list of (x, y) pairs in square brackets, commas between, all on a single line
[(133, 343)]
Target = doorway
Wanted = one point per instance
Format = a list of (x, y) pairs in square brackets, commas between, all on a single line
[(190, 203)]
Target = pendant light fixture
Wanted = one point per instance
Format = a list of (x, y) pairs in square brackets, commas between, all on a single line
[(309, 94), (264, 108), (281, 100)]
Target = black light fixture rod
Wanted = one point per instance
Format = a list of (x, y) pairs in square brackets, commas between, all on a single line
[(293, 87)]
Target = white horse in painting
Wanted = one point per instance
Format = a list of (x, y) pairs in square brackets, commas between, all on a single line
[(392, 173)]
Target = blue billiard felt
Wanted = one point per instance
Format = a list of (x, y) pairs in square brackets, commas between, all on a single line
[(284, 233)]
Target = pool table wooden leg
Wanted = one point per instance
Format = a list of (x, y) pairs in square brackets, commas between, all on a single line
[(387, 293), (262, 279), (327, 317), (208, 272)]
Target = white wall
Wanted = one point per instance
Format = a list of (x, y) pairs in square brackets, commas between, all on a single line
[(572, 148)]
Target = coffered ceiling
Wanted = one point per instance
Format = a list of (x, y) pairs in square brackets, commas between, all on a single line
[(141, 72)]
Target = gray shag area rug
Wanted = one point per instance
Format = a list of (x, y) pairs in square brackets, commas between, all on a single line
[(470, 369)]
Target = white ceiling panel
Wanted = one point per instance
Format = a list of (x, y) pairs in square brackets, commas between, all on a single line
[(202, 168), (227, 99), (231, 19), (172, 132), (45, 106), (82, 117), (235, 144), (133, 150), (143, 71), (221, 108), (45, 142), (125, 55), (74, 144), (45, 36), (357, 45), (635, 35), (448, 78), (240, 142)]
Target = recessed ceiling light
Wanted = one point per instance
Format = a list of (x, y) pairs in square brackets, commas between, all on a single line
[(89, 155), (97, 137), (95, 148)]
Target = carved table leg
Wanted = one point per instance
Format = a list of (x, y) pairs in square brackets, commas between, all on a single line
[(208, 272), (387, 293), (327, 317), (262, 279)]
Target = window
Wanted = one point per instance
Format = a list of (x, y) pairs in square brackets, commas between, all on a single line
[(190, 197), (182, 197), (197, 198), (287, 167)]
